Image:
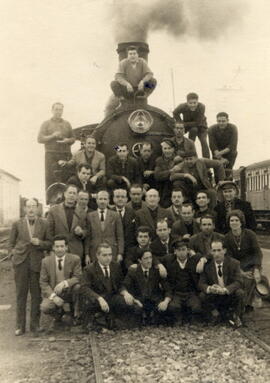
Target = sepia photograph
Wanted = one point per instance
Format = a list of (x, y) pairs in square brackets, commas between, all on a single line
[(134, 191)]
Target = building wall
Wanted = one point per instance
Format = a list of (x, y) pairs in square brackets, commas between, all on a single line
[(9, 199)]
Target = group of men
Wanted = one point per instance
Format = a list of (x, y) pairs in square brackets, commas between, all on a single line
[(134, 236), (134, 258)]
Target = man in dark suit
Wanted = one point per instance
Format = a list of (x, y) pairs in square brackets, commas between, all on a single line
[(136, 195), (231, 202), (177, 199), (100, 287), (149, 215), (186, 226), (63, 219), (202, 206), (162, 244), (201, 242), (182, 280), (27, 242), (82, 181), (143, 238), (221, 284), (141, 288), (59, 278), (127, 216), (104, 225), (146, 162)]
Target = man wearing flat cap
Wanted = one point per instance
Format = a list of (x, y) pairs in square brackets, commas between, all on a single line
[(231, 202)]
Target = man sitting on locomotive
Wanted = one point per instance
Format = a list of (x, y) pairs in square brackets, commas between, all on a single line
[(231, 202), (146, 163), (165, 165), (182, 144), (133, 78), (194, 121), (223, 138), (192, 175), (122, 169), (242, 244), (95, 159)]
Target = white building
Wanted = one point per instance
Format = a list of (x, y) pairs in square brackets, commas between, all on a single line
[(9, 198)]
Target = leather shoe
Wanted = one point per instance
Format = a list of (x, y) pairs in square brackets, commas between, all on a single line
[(67, 320), (19, 332)]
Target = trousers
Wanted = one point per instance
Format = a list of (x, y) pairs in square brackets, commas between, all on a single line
[(27, 280)]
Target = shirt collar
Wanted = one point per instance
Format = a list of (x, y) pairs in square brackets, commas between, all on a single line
[(218, 264), (58, 258), (102, 266), (143, 269), (167, 241), (182, 264)]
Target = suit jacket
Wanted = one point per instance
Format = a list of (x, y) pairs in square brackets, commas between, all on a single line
[(231, 275), (72, 273), (129, 227), (57, 224), (19, 242), (97, 162), (175, 216), (198, 244), (179, 228), (141, 288), (159, 249), (144, 218), (115, 169), (244, 206), (129, 205), (112, 234), (93, 282)]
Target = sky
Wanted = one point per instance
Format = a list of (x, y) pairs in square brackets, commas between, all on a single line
[(65, 50)]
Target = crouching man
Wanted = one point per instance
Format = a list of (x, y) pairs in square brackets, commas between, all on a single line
[(144, 290), (59, 279), (221, 284), (100, 287), (182, 279)]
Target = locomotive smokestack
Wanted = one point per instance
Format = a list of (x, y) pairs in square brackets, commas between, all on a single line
[(143, 49)]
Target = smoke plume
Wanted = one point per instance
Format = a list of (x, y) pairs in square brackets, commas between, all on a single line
[(202, 19)]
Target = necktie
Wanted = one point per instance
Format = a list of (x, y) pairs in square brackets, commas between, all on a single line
[(60, 264), (167, 248), (106, 272), (220, 271), (146, 274), (102, 215), (120, 213)]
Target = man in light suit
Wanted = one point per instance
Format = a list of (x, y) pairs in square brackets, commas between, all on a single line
[(63, 219), (27, 242), (104, 225), (59, 278), (149, 215)]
